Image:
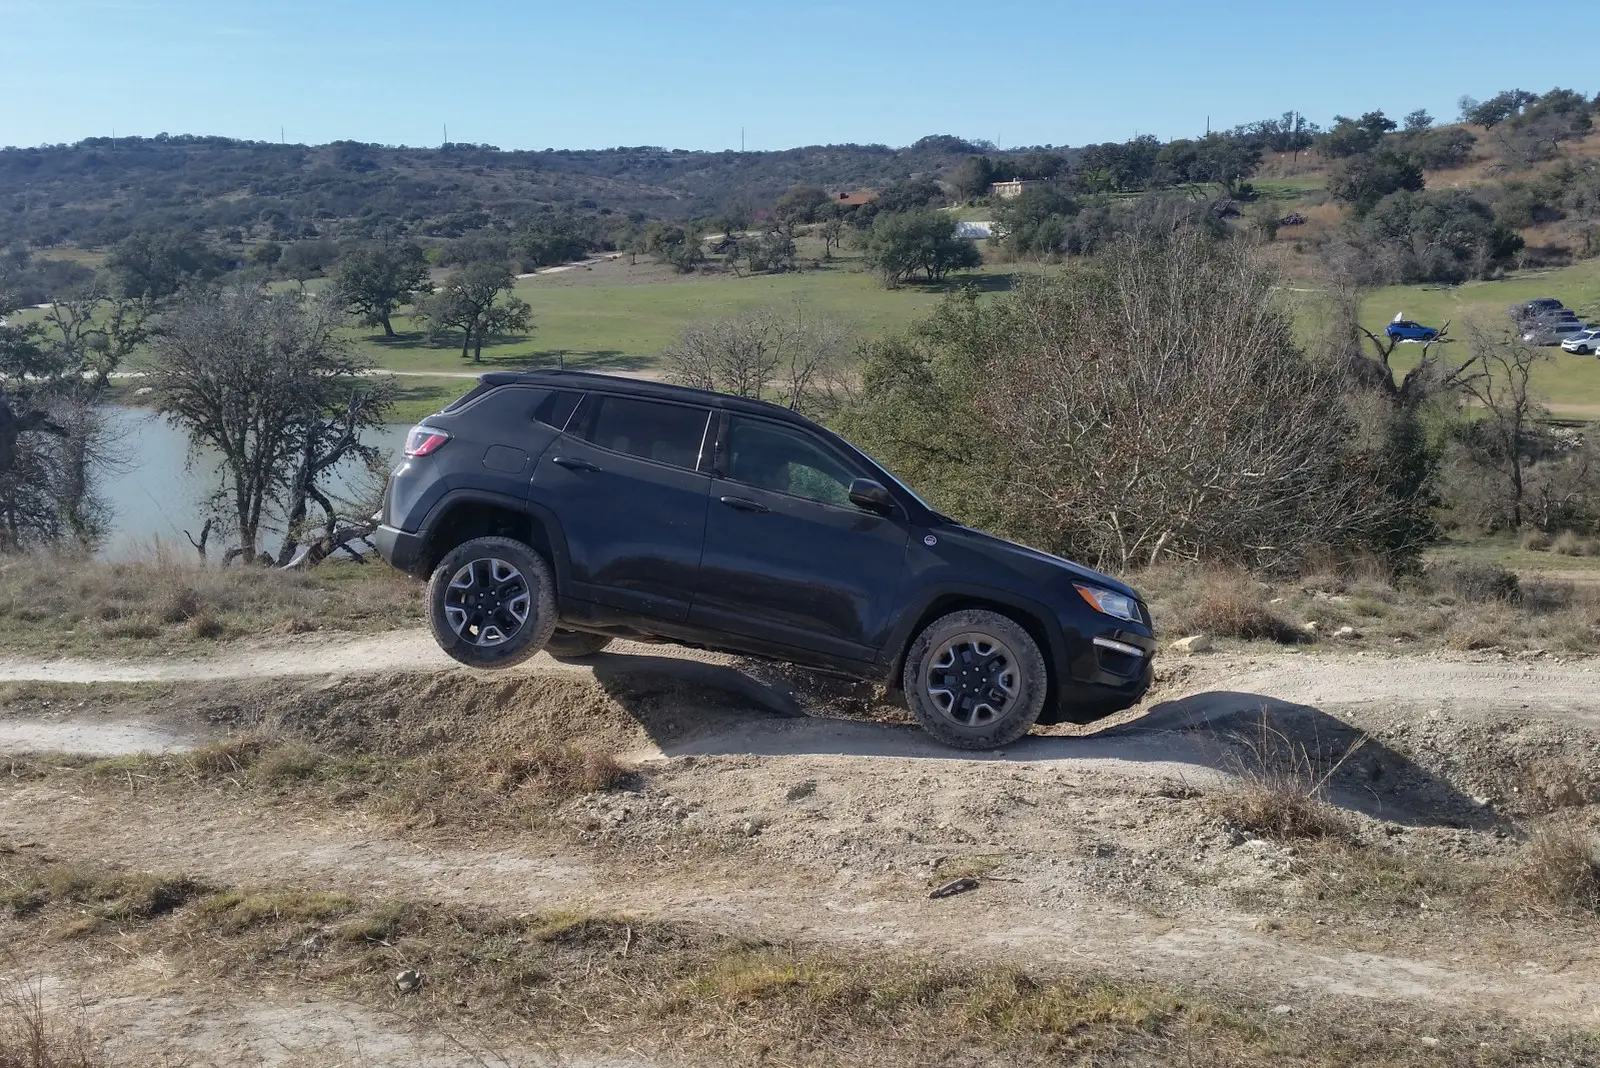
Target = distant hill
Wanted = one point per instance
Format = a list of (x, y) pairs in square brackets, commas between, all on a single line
[(98, 191)]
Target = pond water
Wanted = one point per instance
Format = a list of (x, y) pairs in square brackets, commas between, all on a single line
[(157, 490)]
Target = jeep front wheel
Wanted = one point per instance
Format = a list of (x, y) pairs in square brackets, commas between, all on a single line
[(975, 680), (491, 602)]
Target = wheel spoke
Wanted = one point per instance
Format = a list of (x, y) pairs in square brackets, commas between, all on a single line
[(972, 679), (487, 602)]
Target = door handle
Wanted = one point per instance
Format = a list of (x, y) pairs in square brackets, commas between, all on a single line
[(744, 504), (572, 463)]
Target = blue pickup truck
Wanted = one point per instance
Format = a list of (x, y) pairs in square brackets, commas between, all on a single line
[(1406, 330)]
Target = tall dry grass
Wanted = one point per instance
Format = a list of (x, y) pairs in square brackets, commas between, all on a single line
[(33, 1035), (158, 600)]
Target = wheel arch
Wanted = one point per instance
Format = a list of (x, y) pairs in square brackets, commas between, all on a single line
[(465, 515)]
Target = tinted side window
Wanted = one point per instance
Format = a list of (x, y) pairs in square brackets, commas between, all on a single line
[(667, 433), (786, 460), (556, 408)]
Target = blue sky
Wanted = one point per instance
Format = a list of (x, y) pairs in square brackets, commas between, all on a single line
[(596, 73)]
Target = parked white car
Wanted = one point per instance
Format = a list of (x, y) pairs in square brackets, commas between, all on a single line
[(1584, 342)]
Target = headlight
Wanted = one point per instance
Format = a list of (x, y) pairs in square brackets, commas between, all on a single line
[(1115, 605)]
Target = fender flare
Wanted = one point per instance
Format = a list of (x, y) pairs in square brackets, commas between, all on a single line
[(544, 518), (892, 659)]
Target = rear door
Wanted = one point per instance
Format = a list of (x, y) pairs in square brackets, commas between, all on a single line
[(788, 559), (625, 481)]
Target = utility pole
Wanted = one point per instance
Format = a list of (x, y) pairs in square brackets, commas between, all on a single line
[(741, 140), (447, 133), (282, 140)]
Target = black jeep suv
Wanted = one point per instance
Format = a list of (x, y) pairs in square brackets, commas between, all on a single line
[(557, 509)]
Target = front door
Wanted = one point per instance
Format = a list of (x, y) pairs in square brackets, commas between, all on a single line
[(625, 480), (788, 559)]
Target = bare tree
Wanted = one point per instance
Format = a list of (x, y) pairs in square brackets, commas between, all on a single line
[(763, 353), (267, 383), (55, 443), (1510, 408)]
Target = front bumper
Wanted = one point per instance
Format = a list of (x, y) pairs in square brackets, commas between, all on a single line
[(1111, 672)]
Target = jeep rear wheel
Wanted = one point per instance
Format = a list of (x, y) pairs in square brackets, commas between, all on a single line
[(975, 679), (491, 602), (575, 644)]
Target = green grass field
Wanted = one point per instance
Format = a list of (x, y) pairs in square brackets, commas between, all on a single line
[(616, 320)]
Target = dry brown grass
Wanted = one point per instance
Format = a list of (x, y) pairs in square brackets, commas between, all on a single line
[(682, 991), (1570, 543), (1561, 868), (1535, 540), (1280, 788), (461, 786), (53, 604), (34, 1036), (1231, 604), (1452, 604)]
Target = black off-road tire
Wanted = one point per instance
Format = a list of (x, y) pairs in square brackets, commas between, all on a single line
[(1013, 666), (486, 563), (575, 644)]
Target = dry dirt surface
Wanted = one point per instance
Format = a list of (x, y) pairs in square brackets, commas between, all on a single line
[(766, 802)]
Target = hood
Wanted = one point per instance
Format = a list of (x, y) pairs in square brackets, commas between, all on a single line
[(1023, 555)]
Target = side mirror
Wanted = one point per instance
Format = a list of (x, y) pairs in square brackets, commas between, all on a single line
[(871, 496)]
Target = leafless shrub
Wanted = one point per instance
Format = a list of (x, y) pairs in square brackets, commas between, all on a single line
[(1161, 408)]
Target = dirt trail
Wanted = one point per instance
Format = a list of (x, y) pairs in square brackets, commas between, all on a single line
[(246, 845), (1465, 684)]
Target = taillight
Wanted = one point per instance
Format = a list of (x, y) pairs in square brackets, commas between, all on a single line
[(425, 440)]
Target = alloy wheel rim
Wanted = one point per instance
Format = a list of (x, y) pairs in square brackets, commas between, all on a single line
[(973, 679), (487, 602)]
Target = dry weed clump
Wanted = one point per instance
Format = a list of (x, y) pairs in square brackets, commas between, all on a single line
[(1280, 787), (34, 1036), (560, 770), (1282, 809), (1570, 543), (1231, 604), (54, 603), (1534, 540), (1561, 867)]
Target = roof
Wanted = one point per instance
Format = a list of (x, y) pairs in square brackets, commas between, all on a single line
[(856, 198), (643, 388)]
